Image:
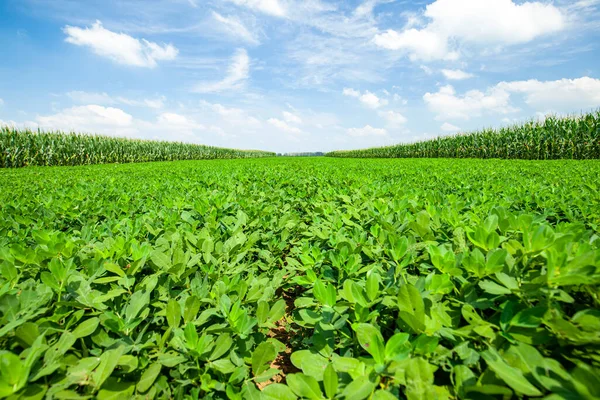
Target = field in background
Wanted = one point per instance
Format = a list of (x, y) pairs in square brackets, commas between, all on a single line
[(576, 137), (23, 147), (311, 278)]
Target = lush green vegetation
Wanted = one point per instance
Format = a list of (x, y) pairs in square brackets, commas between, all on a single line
[(24, 147), (301, 278), (554, 138)]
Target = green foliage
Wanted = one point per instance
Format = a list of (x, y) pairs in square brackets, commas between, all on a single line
[(21, 148), (576, 137), (299, 278)]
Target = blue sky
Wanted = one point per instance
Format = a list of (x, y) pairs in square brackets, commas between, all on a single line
[(294, 75)]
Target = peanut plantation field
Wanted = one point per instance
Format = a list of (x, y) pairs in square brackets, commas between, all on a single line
[(301, 278)]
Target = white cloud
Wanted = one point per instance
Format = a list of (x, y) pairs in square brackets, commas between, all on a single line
[(104, 99), (448, 105), (270, 7), (367, 98), (564, 95), (420, 44), (368, 130), (232, 116), (560, 96), (291, 118), (111, 121), (178, 122), (236, 77), (120, 47), (1, 102), (351, 92), (372, 101), (233, 27), (393, 118), (282, 125), (90, 118), (447, 127), (19, 125), (474, 22), (456, 74)]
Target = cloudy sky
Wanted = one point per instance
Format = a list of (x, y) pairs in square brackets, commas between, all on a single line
[(295, 75)]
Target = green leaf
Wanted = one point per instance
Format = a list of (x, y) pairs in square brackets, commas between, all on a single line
[(114, 268), (358, 389), (27, 333), (115, 390), (222, 346), (262, 311), (304, 386), (529, 317), (397, 347), (512, 376), (493, 288), (277, 391), (262, 357), (330, 381), (373, 286), (148, 377), (277, 311), (383, 395), (173, 313), (371, 340), (12, 373), (192, 306), (312, 364), (86, 328), (411, 302), (320, 292), (108, 361)]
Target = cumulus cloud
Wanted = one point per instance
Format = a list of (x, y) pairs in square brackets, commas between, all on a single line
[(237, 74), (393, 118), (420, 44), (351, 92), (456, 74), (291, 118), (233, 27), (367, 98), (283, 126), (448, 105), (447, 127), (561, 96), (178, 122), (475, 22), (86, 118), (368, 130), (120, 47)]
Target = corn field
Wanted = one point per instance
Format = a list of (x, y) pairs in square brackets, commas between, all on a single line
[(24, 147), (575, 137)]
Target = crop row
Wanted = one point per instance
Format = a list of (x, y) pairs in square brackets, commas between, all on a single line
[(553, 138), (20, 148)]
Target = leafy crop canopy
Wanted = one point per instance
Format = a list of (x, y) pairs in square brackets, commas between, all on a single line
[(301, 278)]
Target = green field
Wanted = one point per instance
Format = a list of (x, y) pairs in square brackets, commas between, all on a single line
[(301, 278)]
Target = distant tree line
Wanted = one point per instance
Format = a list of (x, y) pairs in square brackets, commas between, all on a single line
[(313, 154)]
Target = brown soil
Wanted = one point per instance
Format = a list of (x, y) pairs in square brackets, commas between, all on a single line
[(283, 332)]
